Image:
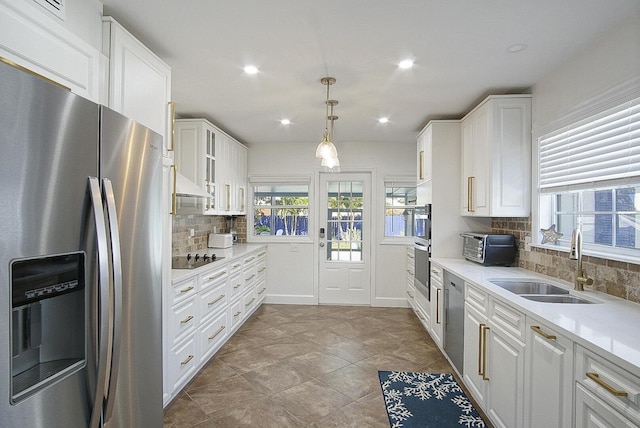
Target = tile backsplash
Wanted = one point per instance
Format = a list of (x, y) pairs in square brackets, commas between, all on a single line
[(609, 276), (202, 226)]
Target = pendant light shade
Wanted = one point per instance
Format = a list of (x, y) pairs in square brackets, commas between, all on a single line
[(326, 150)]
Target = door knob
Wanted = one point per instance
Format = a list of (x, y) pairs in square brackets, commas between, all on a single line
[(322, 244)]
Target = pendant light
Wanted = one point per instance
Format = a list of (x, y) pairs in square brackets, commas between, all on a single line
[(326, 149), (331, 163)]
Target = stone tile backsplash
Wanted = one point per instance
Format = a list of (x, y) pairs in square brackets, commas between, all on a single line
[(609, 276), (202, 225)]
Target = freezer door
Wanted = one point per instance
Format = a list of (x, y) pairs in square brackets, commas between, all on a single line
[(131, 158), (49, 147)]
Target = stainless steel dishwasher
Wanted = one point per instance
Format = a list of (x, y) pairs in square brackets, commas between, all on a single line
[(454, 319)]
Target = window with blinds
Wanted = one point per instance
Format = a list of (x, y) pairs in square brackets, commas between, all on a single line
[(599, 150), (589, 177)]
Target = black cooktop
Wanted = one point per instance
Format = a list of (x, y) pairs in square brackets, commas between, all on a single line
[(193, 262)]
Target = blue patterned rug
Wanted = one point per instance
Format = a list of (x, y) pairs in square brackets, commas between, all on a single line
[(426, 400)]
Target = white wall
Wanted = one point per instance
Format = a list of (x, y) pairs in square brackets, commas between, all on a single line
[(291, 273)]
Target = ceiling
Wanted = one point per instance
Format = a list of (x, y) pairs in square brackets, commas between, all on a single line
[(460, 49)]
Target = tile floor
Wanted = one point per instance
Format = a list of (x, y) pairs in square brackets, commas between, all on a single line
[(306, 366)]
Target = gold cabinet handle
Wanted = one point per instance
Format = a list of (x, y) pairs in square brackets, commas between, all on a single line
[(237, 265), (262, 253), (218, 331), (409, 271), (250, 259), (421, 164), (213, 302), (172, 130), (437, 306), (217, 275), (411, 256), (262, 269), (538, 330), (250, 278), (596, 378), (242, 199), (410, 295), (235, 287), (250, 302), (189, 358), (470, 194), (485, 329), (236, 314), (186, 290), (262, 291), (174, 198), (228, 189), (187, 319)]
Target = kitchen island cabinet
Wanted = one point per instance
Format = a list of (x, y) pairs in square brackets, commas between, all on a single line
[(205, 307)]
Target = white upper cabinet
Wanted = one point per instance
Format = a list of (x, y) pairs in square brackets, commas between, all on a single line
[(496, 158), (139, 81), (43, 45), (215, 162)]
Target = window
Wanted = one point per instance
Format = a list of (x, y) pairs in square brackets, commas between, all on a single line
[(400, 205), (589, 177), (281, 209)]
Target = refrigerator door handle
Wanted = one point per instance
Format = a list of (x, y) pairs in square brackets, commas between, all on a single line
[(115, 314), (103, 301)]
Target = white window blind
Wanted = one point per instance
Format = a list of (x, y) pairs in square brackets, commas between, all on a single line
[(599, 149)]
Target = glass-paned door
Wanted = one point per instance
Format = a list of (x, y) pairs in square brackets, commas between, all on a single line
[(345, 241)]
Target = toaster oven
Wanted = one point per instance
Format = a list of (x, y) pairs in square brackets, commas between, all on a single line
[(489, 249)]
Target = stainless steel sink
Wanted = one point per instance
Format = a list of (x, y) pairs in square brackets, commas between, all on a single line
[(529, 287), (556, 298)]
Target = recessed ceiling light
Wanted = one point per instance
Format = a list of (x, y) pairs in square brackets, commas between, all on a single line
[(251, 69), (405, 64), (285, 121), (383, 120), (519, 47)]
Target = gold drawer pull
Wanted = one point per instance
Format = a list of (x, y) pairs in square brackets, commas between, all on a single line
[(250, 259), (250, 302), (237, 265), (216, 333), (236, 314), (262, 253), (262, 269), (410, 271), (596, 378), (213, 302), (411, 256), (186, 290), (250, 278), (470, 194), (189, 358), (262, 291), (187, 319), (538, 330), (410, 295), (235, 287), (218, 275)]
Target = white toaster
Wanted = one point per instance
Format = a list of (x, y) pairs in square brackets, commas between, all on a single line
[(220, 240)]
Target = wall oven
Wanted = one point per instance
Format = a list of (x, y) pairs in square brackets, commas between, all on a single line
[(422, 250)]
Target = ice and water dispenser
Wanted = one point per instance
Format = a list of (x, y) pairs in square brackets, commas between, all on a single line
[(48, 321)]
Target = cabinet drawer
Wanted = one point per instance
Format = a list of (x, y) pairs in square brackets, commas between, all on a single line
[(235, 285), (422, 315), (183, 290), (235, 266), (249, 275), (411, 293), (608, 381), (182, 363), (476, 298), (234, 314), (436, 272), (261, 291), (261, 269), (250, 259), (249, 301), (212, 336), (183, 319), (510, 320), (212, 277), (212, 300)]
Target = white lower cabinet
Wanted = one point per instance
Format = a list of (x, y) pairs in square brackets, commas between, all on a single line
[(494, 359), (437, 306), (606, 395), (549, 375), (205, 309)]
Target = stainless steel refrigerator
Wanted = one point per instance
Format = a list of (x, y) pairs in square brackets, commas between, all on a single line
[(80, 261)]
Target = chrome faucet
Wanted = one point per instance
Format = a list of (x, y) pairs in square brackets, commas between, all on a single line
[(575, 253)]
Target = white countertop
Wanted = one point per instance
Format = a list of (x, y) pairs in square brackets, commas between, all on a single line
[(609, 327), (235, 251)]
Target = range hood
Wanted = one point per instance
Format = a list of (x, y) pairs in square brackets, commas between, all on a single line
[(186, 187)]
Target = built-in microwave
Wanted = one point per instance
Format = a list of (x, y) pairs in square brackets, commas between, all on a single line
[(422, 250)]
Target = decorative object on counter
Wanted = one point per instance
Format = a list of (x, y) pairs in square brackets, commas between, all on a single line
[(326, 150), (426, 400), (550, 235)]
